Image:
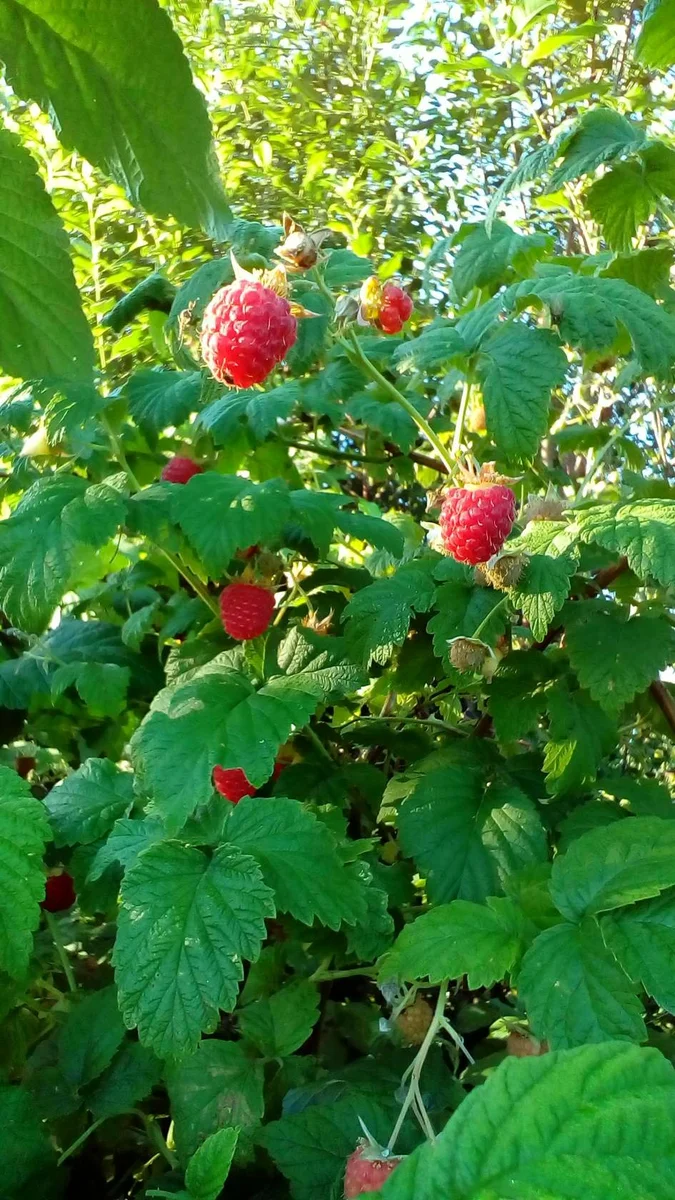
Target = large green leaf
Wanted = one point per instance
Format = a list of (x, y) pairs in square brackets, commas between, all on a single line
[(133, 1072), (591, 312), (621, 201), (482, 941), (542, 590), (218, 718), (616, 865), (575, 991), (378, 617), (28, 1157), (613, 657), (219, 1084), (580, 734), (84, 807), (465, 837), (39, 543), (43, 331), (298, 860), (600, 135), (92, 1033), (210, 1165), (185, 925), (642, 937), (656, 43), (161, 398), (518, 367), (643, 530), (24, 830), (592, 1123), (147, 128), (223, 513), (484, 256), (279, 1024)]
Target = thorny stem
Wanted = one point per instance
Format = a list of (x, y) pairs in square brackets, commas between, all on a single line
[(53, 927), (417, 1065), (354, 351)]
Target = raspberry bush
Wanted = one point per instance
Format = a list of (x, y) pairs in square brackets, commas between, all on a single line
[(337, 604)]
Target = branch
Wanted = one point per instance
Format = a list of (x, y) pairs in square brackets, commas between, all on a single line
[(663, 698)]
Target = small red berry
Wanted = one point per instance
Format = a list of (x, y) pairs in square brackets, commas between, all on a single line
[(246, 610), (232, 784), (180, 469), (59, 893), (475, 521), (247, 329), (396, 308), (367, 1170), (279, 767)]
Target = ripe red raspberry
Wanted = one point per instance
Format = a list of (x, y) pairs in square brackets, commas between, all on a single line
[(367, 1170), (232, 784), (475, 521), (180, 469), (59, 893), (247, 329), (246, 610), (396, 308)]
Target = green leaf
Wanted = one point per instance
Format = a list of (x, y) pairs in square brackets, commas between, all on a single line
[(127, 839), (616, 865), (465, 838), (580, 734), (595, 1122), (387, 417), (147, 129), (643, 530), (138, 625), (298, 860), (482, 941), (280, 1024), (218, 1085), (656, 43), (39, 543), (220, 514), (161, 398), (517, 368), (308, 348), (154, 294), (85, 805), (378, 617), (592, 311), (28, 1157), (24, 830), (91, 1035), (542, 590), (484, 256), (642, 937), (462, 607), (518, 694), (599, 136), (574, 991), (311, 1147), (132, 1074), (209, 1167), (615, 658), (262, 411), (185, 924), (43, 331), (101, 686), (344, 269), (436, 344), (369, 938), (218, 718), (621, 202)]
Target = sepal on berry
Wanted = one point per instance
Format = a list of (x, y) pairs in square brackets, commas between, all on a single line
[(468, 654)]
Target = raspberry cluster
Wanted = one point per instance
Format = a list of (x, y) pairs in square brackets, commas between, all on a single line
[(247, 329)]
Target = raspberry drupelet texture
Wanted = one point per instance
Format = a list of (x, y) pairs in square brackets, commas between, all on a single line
[(367, 1171), (246, 610), (396, 308), (476, 521), (247, 329), (232, 784), (59, 893), (180, 469)]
